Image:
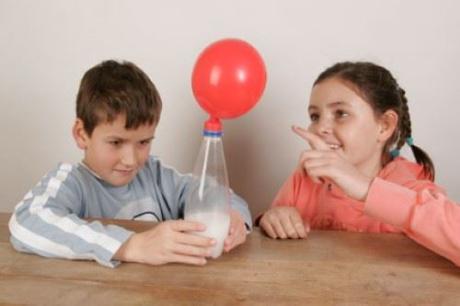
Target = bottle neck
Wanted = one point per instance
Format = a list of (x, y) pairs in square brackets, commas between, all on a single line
[(214, 134)]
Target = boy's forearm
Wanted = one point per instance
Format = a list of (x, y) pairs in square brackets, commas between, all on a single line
[(239, 205), (47, 234), (124, 253)]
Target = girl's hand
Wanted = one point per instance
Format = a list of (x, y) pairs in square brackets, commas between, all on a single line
[(237, 231), (326, 164), (169, 241), (283, 222)]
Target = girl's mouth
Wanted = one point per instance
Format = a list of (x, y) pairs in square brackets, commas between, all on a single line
[(334, 146)]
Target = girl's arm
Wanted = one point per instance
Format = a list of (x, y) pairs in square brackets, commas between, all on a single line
[(283, 220), (422, 210)]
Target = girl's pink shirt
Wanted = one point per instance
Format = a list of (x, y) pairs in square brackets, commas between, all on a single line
[(400, 200)]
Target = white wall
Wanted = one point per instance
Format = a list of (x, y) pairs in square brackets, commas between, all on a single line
[(45, 47)]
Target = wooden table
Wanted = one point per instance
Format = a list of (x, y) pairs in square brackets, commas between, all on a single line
[(328, 268)]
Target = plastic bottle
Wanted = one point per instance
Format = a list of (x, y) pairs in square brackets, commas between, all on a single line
[(208, 198)]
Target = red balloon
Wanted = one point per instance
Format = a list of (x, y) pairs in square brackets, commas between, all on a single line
[(228, 78)]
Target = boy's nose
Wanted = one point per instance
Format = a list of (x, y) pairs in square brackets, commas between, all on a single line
[(128, 157)]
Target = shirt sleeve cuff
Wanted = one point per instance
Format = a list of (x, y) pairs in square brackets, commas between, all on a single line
[(122, 235), (389, 202)]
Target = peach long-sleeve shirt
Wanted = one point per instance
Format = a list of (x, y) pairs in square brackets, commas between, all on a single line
[(400, 200)]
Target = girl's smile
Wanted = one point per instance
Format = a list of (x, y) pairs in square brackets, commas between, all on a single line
[(346, 122)]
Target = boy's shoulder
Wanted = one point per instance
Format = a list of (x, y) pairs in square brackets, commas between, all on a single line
[(60, 173), (73, 174), (64, 178)]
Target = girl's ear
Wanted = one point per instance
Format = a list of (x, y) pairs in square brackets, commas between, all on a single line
[(79, 134), (388, 124)]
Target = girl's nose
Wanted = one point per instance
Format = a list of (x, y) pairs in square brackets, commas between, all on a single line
[(323, 127)]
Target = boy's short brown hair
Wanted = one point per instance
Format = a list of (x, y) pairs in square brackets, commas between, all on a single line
[(112, 88)]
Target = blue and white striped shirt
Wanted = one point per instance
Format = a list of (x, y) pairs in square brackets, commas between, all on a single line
[(49, 221)]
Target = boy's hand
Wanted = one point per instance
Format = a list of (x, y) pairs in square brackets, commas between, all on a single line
[(284, 222), (237, 231), (169, 241), (326, 164)]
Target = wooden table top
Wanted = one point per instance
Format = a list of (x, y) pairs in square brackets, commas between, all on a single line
[(327, 268)]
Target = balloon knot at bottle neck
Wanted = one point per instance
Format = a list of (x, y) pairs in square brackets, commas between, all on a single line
[(212, 127)]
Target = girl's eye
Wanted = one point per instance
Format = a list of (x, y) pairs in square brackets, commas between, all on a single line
[(341, 114), (314, 117)]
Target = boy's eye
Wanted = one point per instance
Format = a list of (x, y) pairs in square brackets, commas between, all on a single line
[(146, 142), (115, 143), (314, 117)]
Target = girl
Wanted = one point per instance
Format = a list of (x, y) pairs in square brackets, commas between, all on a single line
[(352, 177)]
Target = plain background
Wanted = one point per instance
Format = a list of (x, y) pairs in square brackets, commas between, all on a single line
[(46, 46)]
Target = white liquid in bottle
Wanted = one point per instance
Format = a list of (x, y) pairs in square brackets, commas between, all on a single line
[(217, 227)]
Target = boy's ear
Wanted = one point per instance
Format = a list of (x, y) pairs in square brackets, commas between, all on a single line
[(79, 134), (388, 124)]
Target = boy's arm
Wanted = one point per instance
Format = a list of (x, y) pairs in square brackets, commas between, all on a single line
[(169, 241), (239, 205), (46, 222), (174, 186), (423, 211)]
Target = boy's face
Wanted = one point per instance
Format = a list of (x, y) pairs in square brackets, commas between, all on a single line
[(113, 152)]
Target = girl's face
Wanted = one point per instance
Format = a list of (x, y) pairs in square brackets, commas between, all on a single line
[(347, 123)]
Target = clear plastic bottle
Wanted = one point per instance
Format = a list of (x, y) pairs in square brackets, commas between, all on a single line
[(208, 198)]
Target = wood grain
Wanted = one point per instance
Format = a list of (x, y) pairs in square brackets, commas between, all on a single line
[(327, 268)]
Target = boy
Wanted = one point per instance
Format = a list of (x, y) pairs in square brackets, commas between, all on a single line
[(118, 109)]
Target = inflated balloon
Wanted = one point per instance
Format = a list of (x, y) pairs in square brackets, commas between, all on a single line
[(228, 78)]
